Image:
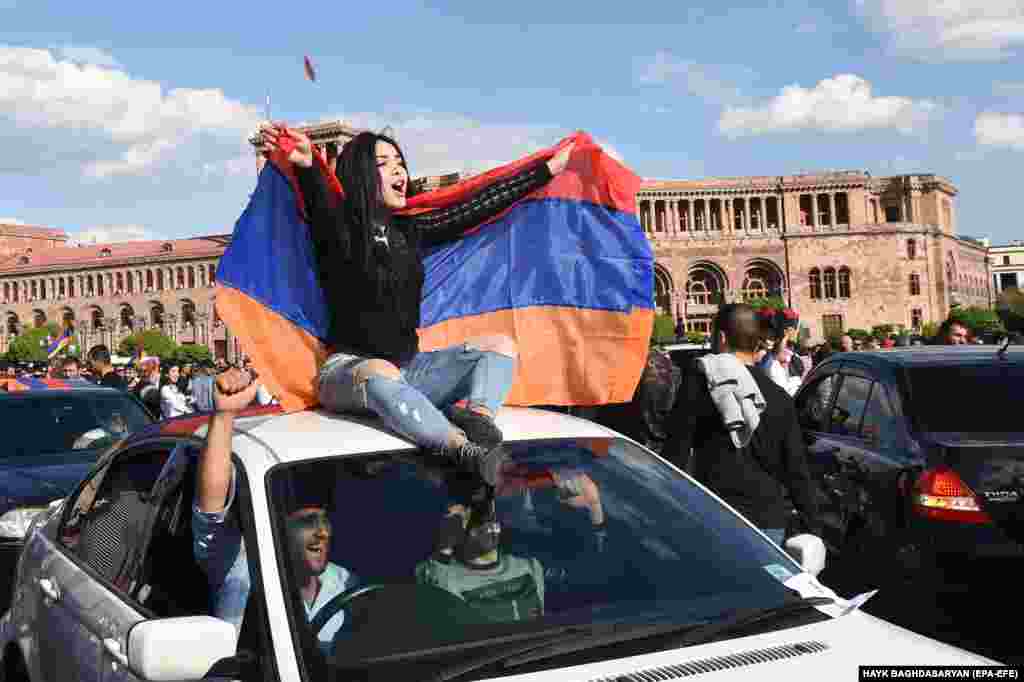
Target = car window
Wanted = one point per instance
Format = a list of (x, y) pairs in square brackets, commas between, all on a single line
[(100, 523), (851, 399), (812, 404), (878, 415), (56, 423), (966, 399), (583, 531)]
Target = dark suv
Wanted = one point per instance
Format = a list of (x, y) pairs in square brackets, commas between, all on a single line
[(919, 456)]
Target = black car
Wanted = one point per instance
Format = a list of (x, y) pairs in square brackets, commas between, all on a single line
[(52, 438), (919, 457)]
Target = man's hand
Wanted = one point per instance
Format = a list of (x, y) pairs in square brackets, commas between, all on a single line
[(233, 391), (560, 160), (588, 495), (280, 136)]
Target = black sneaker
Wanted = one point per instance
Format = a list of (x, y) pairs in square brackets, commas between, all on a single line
[(478, 428), (477, 459)]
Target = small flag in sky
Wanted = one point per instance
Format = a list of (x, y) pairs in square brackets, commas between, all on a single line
[(62, 342), (310, 73)]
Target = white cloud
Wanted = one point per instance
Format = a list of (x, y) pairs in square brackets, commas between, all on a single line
[(844, 103), (700, 80), (994, 129), (112, 234), (116, 124), (87, 55), (436, 143), (12, 221), (948, 30)]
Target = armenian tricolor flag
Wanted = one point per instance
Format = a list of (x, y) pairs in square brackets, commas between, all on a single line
[(61, 343), (567, 272)]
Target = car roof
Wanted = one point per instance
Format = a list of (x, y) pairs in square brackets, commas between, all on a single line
[(931, 356), (317, 433)]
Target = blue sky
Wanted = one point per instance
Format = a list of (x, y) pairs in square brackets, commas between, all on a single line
[(128, 120)]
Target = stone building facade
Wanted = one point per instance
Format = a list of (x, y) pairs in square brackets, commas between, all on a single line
[(111, 290), (846, 250), (1007, 263)]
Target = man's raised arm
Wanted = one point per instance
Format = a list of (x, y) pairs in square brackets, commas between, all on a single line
[(233, 391)]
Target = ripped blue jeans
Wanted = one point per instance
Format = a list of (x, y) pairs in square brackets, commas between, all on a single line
[(430, 383)]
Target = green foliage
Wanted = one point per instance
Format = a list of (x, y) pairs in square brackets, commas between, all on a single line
[(664, 330), (1010, 309), (192, 353), (31, 345), (154, 342), (882, 331), (773, 302), (696, 337), (858, 334), (929, 329), (978, 320)]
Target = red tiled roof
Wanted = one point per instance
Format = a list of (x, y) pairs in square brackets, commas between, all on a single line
[(92, 254), (19, 230)]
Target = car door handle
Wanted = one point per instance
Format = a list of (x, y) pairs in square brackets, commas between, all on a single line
[(50, 588), (113, 648)]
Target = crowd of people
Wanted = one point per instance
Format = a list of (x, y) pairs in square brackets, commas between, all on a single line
[(167, 389)]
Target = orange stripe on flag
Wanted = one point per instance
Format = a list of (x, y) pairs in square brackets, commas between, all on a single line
[(286, 357), (601, 353)]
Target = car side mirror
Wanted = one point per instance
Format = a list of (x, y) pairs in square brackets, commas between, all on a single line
[(809, 551), (179, 648)]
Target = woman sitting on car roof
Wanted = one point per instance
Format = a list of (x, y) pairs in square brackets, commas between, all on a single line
[(370, 269)]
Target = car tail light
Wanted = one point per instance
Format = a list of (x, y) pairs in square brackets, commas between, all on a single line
[(942, 495)]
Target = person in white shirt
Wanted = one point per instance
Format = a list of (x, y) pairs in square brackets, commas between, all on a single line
[(173, 402)]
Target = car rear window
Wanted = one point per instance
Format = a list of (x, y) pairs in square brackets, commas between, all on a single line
[(967, 399), (62, 422)]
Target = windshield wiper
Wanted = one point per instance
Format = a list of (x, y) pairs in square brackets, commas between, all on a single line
[(598, 636), (742, 619), (572, 639)]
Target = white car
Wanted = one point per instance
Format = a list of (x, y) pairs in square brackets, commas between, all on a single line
[(611, 564)]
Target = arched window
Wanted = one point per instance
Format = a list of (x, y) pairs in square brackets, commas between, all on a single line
[(156, 315), (38, 318), (815, 279), (830, 283), (97, 318), (160, 279), (149, 280), (188, 314), (915, 284), (212, 279), (12, 324), (127, 317), (844, 282), (191, 277), (911, 249)]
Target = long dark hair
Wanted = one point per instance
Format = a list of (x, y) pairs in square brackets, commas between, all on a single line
[(361, 208)]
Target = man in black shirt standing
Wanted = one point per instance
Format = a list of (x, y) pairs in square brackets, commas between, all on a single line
[(99, 360), (766, 479)]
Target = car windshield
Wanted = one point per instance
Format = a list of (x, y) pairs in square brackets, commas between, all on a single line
[(48, 424), (588, 531), (966, 399)]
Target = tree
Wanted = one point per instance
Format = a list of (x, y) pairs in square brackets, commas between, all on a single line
[(664, 330), (32, 346), (773, 302), (192, 353), (882, 331), (696, 337), (861, 335), (978, 320), (1010, 309), (154, 342)]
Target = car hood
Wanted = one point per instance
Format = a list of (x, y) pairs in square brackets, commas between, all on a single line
[(809, 652), (31, 481)]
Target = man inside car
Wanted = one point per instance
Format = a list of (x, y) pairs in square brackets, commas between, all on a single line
[(218, 544)]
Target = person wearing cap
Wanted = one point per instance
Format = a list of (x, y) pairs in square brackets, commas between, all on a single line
[(217, 541)]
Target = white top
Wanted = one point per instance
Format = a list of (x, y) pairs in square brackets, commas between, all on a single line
[(173, 402)]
